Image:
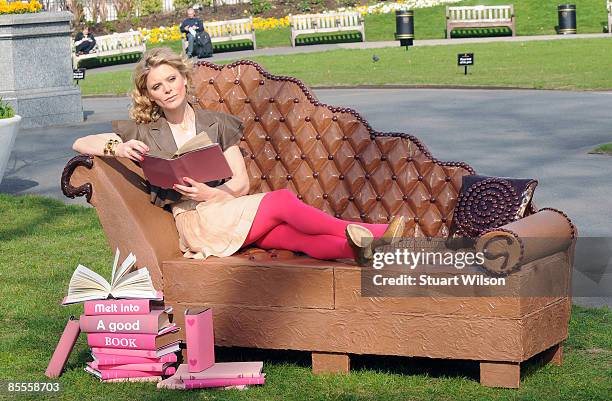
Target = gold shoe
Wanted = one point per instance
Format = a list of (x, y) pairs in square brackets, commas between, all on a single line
[(394, 231), (360, 240)]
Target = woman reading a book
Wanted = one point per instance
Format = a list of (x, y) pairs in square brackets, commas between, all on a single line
[(218, 218)]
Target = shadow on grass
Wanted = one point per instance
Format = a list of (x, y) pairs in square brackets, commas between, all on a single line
[(416, 366), (40, 211), (480, 32), (232, 47), (349, 37), (440, 368), (82, 358), (435, 368), (109, 60)]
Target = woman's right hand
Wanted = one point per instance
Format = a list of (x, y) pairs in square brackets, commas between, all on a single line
[(132, 149)]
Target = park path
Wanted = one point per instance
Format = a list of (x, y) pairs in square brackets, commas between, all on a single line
[(275, 51)]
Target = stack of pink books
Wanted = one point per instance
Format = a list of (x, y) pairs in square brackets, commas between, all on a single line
[(131, 335), (130, 340), (201, 371)]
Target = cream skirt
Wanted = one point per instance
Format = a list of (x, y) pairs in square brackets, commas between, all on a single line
[(216, 228)]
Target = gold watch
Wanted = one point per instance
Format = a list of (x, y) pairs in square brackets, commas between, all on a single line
[(109, 147)]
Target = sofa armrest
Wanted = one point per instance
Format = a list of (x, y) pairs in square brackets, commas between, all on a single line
[(116, 188), (509, 247), (68, 189)]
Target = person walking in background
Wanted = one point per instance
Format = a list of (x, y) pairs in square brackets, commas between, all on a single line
[(84, 41), (191, 26)]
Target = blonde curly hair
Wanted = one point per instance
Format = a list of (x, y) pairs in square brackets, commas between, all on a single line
[(143, 110)]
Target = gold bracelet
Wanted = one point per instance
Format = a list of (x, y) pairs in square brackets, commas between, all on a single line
[(109, 147), (113, 146)]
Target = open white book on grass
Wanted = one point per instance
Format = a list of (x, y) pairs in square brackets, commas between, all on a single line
[(126, 282)]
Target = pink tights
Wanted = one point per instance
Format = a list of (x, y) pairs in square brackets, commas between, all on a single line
[(285, 222)]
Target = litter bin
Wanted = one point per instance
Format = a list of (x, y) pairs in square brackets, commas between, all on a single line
[(567, 19), (404, 27)]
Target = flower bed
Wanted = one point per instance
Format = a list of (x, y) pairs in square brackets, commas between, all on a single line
[(263, 24), (18, 7), (386, 8), (162, 34)]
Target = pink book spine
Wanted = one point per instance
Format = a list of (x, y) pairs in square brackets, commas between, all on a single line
[(124, 352), (135, 379), (240, 381), (116, 374), (64, 348), (108, 359), (200, 339), (136, 324), (122, 341), (118, 307), (146, 367)]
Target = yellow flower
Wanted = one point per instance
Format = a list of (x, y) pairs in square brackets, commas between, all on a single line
[(19, 8), (262, 24)]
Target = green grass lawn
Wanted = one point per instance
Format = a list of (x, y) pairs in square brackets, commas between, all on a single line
[(580, 64), (605, 149), (43, 240)]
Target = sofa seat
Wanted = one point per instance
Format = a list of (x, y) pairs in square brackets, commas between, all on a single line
[(300, 303)]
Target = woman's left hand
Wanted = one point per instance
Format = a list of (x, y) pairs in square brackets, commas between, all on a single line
[(199, 191)]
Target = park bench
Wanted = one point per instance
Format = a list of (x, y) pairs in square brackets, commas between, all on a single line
[(335, 161), (609, 16), (480, 17), (116, 44), (325, 23), (230, 30)]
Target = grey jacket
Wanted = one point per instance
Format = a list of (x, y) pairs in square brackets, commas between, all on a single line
[(221, 128)]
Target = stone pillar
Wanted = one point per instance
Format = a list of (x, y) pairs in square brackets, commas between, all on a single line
[(36, 68)]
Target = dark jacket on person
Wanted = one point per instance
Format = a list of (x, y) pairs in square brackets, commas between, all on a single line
[(192, 22), (80, 36)]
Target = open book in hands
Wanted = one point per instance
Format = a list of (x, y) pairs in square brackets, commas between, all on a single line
[(198, 159), (126, 282)]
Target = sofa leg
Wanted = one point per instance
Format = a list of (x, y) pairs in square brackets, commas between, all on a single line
[(500, 374), (554, 355), (323, 362)]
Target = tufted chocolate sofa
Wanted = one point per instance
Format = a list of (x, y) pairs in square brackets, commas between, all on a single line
[(332, 159)]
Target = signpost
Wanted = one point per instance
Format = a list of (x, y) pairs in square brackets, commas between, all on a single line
[(465, 59), (78, 74)]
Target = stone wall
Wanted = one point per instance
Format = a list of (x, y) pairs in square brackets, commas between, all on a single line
[(36, 68)]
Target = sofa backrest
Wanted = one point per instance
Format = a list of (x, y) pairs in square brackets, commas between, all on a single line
[(330, 156)]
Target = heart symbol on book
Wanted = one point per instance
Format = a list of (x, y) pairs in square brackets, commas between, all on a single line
[(190, 322), (192, 362)]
